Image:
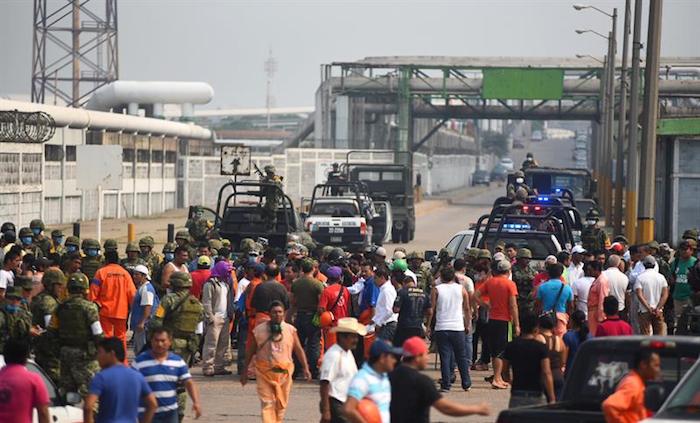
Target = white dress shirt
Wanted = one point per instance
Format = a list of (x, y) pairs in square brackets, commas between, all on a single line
[(652, 284), (575, 272), (384, 310), (618, 284)]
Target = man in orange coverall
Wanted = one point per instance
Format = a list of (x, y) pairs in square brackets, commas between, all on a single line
[(626, 404)]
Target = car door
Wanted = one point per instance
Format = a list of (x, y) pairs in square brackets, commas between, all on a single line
[(59, 413)]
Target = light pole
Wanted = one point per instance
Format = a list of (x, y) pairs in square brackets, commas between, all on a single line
[(621, 118), (596, 153), (609, 102), (632, 149)]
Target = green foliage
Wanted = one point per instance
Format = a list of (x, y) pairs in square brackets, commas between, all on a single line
[(495, 143)]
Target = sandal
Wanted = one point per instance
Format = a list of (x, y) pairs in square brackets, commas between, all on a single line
[(495, 386)]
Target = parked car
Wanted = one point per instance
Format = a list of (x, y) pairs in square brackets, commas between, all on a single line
[(507, 162), (481, 177), (536, 136), (499, 173), (683, 405), (518, 144)]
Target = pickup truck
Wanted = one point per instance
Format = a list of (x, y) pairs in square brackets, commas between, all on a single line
[(338, 221), (598, 367), (683, 405)]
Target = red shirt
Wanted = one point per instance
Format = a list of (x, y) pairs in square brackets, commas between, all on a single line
[(499, 290), (20, 392), (199, 276), (613, 326), (328, 297), (113, 290)]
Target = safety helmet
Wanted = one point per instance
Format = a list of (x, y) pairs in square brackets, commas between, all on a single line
[(89, 243), (78, 282), (36, 223), (52, 277), (110, 245), (132, 248), (169, 247), (72, 240), (146, 241), (183, 234), (25, 232), (180, 280)]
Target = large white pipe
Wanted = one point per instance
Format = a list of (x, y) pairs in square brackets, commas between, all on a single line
[(112, 122), (121, 92)]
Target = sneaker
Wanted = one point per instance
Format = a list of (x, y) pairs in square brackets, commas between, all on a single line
[(467, 389)]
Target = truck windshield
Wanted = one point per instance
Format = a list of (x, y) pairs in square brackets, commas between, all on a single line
[(685, 403), (335, 209)]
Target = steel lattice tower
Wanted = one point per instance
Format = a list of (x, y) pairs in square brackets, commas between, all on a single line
[(74, 49)]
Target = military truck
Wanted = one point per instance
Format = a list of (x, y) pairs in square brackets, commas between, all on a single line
[(391, 183)]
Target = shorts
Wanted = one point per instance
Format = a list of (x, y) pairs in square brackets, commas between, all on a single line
[(497, 337)]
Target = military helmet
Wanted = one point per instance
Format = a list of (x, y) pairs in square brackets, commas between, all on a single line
[(413, 255), (335, 254), (247, 245), (78, 282), (56, 233), (215, 244), (326, 250), (519, 174), (593, 214), (269, 169), (524, 253), (180, 280), (183, 234), (444, 252), (472, 253), (72, 240), (529, 155), (169, 247), (89, 243), (36, 223), (8, 226), (25, 232), (690, 234), (53, 277), (484, 254), (132, 247), (14, 292), (110, 245), (226, 243), (146, 241)]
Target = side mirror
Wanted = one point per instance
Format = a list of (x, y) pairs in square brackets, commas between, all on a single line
[(429, 255), (73, 398), (654, 397)]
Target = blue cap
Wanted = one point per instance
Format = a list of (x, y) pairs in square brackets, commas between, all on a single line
[(259, 267), (334, 272), (383, 347)]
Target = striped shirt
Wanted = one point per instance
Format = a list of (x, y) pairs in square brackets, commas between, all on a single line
[(367, 383), (163, 378)]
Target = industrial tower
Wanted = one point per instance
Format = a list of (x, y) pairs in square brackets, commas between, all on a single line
[(74, 49)]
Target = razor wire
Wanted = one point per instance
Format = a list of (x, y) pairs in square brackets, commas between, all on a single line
[(27, 127)]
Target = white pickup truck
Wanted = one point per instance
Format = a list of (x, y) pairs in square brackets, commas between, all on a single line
[(339, 221)]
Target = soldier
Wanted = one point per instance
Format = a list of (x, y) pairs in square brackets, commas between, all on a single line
[(271, 196), (198, 226), (57, 243), (44, 305), (110, 245), (132, 257), (182, 239), (471, 257), (529, 162), (26, 238), (26, 284), (594, 238), (444, 259), (15, 320), (182, 314), (40, 240), (93, 260), (151, 258), (523, 275), (690, 234), (423, 276), (72, 245), (76, 327), (168, 256)]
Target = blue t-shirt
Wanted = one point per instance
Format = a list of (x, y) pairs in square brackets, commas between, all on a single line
[(163, 378), (120, 390), (572, 341), (547, 293), (369, 295), (367, 383), (137, 308)]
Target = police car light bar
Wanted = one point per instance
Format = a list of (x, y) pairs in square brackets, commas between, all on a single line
[(543, 199), (517, 226)]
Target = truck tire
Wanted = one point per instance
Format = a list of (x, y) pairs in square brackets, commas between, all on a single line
[(413, 234), (404, 236), (395, 237)]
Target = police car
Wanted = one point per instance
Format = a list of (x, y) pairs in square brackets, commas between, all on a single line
[(61, 410)]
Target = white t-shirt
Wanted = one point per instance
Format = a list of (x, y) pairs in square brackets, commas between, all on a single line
[(7, 278), (575, 272), (449, 313), (338, 368), (466, 282), (581, 287), (384, 309), (652, 284), (242, 285), (618, 283)]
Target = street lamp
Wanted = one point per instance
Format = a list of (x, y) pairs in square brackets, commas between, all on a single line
[(579, 6), (583, 31), (588, 56)]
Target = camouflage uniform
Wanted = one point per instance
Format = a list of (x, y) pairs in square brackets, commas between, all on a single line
[(151, 258), (272, 197), (91, 263), (29, 248), (40, 240), (184, 235), (423, 276), (56, 244), (110, 245), (15, 320), (73, 325), (168, 248), (181, 313), (594, 238), (130, 263), (198, 226), (44, 304), (523, 275)]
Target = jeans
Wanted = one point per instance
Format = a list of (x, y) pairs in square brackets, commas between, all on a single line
[(451, 342), (403, 333), (167, 417), (387, 331), (310, 339), (480, 333), (139, 340), (469, 351)]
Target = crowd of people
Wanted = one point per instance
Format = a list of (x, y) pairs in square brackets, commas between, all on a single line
[(361, 324)]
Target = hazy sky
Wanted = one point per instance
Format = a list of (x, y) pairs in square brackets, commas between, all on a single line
[(225, 42)]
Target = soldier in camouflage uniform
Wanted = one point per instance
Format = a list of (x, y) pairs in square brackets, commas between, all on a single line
[(76, 327), (110, 245), (198, 226), (44, 305), (272, 196), (93, 260), (594, 238), (523, 275), (168, 256), (72, 245), (151, 258), (26, 285), (470, 256), (513, 188), (15, 320), (26, 238), (182, 239), (57, 242), (425, 280), (133, 258), (182, 314), (40, 240)]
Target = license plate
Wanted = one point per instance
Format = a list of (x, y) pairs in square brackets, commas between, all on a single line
[(336, 230), (336, 239)]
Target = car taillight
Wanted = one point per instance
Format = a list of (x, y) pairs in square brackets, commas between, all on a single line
[(658, 345), (526, 209), (363, 228)]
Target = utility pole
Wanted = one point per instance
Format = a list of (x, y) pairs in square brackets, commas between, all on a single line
[(610, 121), (647, 177), (619, 165), (75, 89), (632, 149)]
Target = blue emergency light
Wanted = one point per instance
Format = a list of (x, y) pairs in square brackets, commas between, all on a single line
[(544, 199), (516, 226), (557, 190)]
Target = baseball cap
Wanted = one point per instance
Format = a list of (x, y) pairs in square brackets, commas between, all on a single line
[(499, 256), (503, 265), (414, 346), (142, 269), (617, 247), (649, 261), (399, 255), (204, 261), (578, 250), (381, 251), (383, 347), (334, 272)]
